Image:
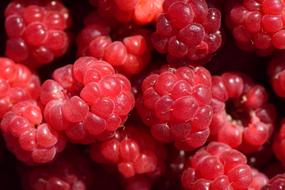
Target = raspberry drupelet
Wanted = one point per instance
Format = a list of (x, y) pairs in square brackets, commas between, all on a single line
[(17, 83), (129, 54), (31, 140), (276, 183), (187, 31), (217, 166), (132, 150), (138, 11), (36, 31), (278, 143), (276, 72), (258, 25), (70, 171), (175, 104), (87, 100), (242, 117)]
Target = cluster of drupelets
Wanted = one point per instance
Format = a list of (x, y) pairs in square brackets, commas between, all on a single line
[(142, 95)]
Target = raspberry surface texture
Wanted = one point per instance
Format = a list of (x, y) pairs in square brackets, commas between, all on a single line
[(258, 25), (242, 116), (277, 182), (276, 72), (187, 31), (175, 104), (36, 31)]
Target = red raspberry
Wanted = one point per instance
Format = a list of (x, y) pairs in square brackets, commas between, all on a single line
[(87, 100), (276, 71), (278, 144), (217, 166), (71, 171), (276, 183), (139, 11), (242, 116), (187, 31), (258, 25), (129, 55), (132, 150), (259, 180), (36, 31), (175, 104), (32, 141), (17, 83)]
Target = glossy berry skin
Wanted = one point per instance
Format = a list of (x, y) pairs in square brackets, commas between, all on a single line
[(258, 25), (217, 166), (31, 140), (138, 11), (132, 150), (175, 104), (71, 171), (129, 54), (87, 100), (242, 116), (17, 83), (276, 183), (36, 31), (259, 180), (187, 31), (278, 143), (276, 72)]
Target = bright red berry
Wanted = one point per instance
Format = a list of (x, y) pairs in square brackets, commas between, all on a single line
[(187, 31), (276, 183), (175, 104), (36, 31), (276, 72), (242, 116)]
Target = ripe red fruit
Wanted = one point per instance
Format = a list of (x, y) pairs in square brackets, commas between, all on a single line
[(175, 104), (138, 11), (31, 140), (276, 72), (187, 31), (217, 166), (132, 150), (17, 83), (277, 182), (129, 54), (242, 116), (278, 143), (87, 100), (36, 31), (258, 25)]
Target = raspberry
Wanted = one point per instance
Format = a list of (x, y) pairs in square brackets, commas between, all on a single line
[(257, 25), (36, 31), (175, 104), (187, 31), (276, 73), (32, 141), (17, 83), (242, 116), (129, 55), (277, 182), (259, 180), (217, 166), (139, 11), (87, 100), (278, 144), (132, 150), (63, 173)]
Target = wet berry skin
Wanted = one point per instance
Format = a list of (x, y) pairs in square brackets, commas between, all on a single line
[(187, 31), (275, 183), (175, 104), (36, 31)]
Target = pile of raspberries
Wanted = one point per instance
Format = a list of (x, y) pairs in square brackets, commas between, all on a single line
[(142, 95)]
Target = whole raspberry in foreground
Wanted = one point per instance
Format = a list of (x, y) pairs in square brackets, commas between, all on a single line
[(276, 72), (175, 104), (128, 52), (258, 25), (71, 171), (17, 83), (276, 183), (218, 166), (36, 31), (87, 100), (133, 150), (31, 140), (138, 11), (187, 31), (242, 118)]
